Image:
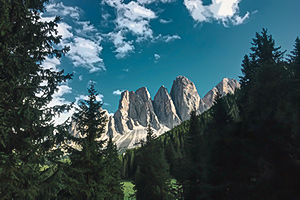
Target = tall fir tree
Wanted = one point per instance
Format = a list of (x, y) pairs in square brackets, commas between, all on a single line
[(192, 152), (27, 138), (87, 176), (294, 58), (112, 165), (152, 175), (270, 139)]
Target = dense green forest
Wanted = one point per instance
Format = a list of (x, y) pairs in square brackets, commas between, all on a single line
[(246, 146)]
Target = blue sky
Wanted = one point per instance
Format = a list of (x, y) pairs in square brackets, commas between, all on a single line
[(124, 45)]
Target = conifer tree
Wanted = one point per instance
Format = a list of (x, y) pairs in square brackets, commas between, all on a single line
[(270, 138), (264, 51), (112, 165), (27, 138), (193, 150), (87, 177), (294, 58), (152, 175)]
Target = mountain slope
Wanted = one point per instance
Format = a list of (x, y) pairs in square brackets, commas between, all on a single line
[(165, 111)]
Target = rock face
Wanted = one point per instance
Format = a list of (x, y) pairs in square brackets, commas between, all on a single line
[(137, 110), (165, 109), (224, 87), (185, 97)]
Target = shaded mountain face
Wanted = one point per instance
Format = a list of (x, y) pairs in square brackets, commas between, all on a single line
[(137, 109)]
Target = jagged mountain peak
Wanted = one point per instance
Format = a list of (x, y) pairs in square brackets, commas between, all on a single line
[(165, 108), (185, 97), (224, 87), (136, 110)]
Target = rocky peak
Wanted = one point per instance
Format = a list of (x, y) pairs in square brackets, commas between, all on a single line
[(165, 109), (224, 87), (135, 108), (185, 97), (228, 86)]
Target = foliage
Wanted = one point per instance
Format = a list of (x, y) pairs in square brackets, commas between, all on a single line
[(27, 138), (246, 146), (152, 175), (86, 173), (112, 165)]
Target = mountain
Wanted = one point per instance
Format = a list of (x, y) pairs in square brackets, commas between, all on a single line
[(137, 109)]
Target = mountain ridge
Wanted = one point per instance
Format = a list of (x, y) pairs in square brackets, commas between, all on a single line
[(136, 110)]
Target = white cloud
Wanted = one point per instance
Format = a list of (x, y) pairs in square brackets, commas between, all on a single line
[(51, 63), (163, 21), (154, 1), (63, 30), (80, 78), (99, 97), (118, 92), (134, 19), (59, 9), (126, 70), (122, 47), (85, 29), (81, 36), (166, 38), (85, 53), (196, 9), (225, 11), (156, 56), (237, 20)]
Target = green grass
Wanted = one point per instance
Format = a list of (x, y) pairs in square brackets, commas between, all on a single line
[(128, 190)]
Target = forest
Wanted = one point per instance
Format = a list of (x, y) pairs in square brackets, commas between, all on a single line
[(246, 146)]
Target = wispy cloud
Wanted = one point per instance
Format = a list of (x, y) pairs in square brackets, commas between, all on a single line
[(84, 52), (164, 21), (82, 37), (155, 1), (132, 19), (166, 38), (122, 46), (80, 78), (51, 63), (59, 9), (224, 11), (118, 92), (99, 97), (156, 57)]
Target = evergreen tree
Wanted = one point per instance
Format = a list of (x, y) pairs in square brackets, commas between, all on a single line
[(266, 125), (294, 58), (263, 52), (112, 171), (152, 174), (192, 152), (87, 176), (27, 138)]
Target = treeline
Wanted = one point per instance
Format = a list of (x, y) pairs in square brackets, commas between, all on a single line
[(247, 146), (38, 159)]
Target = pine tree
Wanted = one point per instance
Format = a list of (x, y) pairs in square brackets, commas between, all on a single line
[(263, 52), (294, 58), (87, 177), (113, 172), (192, 152), (152, 175), (27, 137), (265, 125)]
